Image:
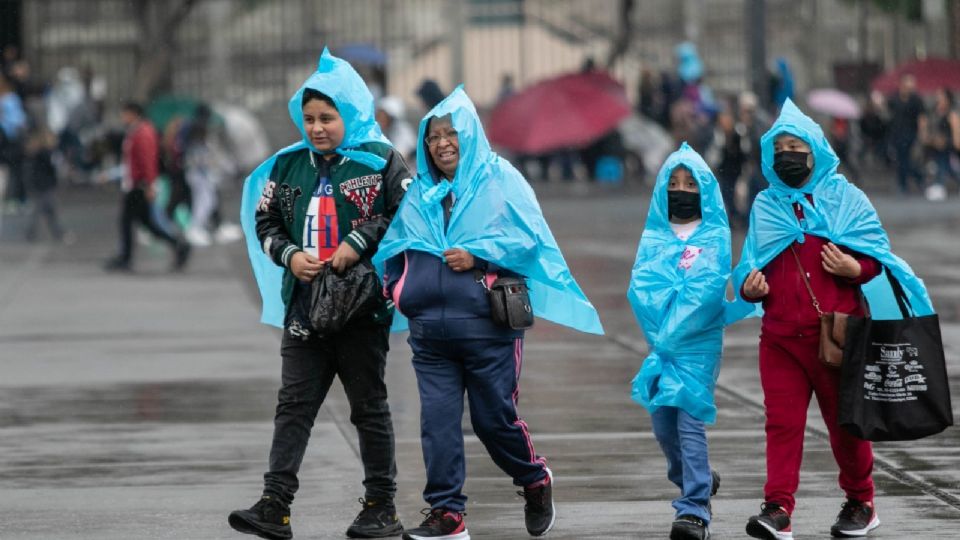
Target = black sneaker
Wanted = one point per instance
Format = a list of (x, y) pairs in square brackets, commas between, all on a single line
[(855, 519), (773, 523), (269, 518), (539, 513), (378, 519), (440, 523), (714, 488), (117, 264), (181, 252), (687, 527)]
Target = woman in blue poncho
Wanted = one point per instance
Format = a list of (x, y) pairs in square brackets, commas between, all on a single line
[(814, 243), (677, 294), (467, 219)]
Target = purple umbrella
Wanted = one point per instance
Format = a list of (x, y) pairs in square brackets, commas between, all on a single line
[(833, 102)]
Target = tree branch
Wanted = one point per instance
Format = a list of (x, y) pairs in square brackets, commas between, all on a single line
[(176, 17), (624, 34)]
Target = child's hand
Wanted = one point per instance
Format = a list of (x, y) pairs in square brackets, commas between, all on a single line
[(839, 263), (344, 257), (305, 266), (755, 286)]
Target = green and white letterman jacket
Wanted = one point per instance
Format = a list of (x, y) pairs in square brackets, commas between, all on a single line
[(366, 200)]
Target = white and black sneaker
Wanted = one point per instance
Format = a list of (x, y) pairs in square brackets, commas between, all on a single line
[(773, 523), (688, 527), (856, 519), (538, 512)]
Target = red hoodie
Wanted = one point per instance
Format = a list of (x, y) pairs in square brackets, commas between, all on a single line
[(788, 309), (141, 155)]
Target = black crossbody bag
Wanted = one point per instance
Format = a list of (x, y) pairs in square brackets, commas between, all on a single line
[(509, 301)]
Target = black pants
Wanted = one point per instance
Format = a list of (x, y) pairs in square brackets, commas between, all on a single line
[(728, 189), (136, 208), (358, 355), (906, 168), (179, 194)]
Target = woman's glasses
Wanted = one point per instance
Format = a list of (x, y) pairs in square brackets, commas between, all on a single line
[(433, 140)]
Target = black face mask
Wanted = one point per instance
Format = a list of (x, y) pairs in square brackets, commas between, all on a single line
[(791, 167), (683, 204)]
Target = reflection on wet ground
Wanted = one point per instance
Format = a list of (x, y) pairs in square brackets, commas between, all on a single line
[(147, 413)]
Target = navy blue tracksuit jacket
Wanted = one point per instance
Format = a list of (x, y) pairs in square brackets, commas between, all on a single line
[(457, 348)]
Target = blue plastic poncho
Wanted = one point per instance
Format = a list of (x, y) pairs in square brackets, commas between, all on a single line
[(840, 213), (682, 311), (689, 64), (496, 217), (340, 82), (785, 86)]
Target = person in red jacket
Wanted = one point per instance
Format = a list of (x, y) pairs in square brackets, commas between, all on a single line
[(140, 169), (790, 369)]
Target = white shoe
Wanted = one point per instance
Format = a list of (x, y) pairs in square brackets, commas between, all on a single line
[(936, 192), (198, 237), (227, 233)]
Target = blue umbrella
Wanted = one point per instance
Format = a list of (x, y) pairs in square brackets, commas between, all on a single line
[(362, 53)]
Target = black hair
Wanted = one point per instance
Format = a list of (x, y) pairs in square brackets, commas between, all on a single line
[(202, 112), (133, 107), (951, 99), (309, 94)]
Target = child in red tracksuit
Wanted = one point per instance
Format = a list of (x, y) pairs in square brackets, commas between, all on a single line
[(790, 369)]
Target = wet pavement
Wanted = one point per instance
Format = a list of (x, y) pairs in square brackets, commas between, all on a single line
[(139, 406)]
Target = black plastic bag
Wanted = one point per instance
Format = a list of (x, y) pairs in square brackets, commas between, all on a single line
[(894, 384), (337, 299)]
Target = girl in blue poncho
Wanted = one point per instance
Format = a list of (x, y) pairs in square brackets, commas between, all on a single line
[(677, 294)]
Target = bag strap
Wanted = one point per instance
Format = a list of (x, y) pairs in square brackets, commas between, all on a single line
[(803, 274), (899, 294), (481, 277)]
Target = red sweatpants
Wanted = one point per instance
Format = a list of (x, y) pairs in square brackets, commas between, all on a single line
[(789, 372)]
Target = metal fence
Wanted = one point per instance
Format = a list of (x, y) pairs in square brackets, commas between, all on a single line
[(255, 52)]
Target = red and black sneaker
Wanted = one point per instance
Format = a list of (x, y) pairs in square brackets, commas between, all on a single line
[(773, 523), (856, 518), (440, 524)]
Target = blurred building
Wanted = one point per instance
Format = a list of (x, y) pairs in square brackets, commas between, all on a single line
[(254, 52)]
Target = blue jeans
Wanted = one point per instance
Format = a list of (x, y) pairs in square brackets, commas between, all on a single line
[(683, 440)]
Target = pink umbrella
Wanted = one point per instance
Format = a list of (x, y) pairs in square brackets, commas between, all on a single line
[(833, 102)]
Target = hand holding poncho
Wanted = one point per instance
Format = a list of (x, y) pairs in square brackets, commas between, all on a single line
[(495, 217), (338, 80), (840, 212)]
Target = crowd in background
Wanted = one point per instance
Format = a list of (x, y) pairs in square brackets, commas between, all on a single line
[(914, 140), (54, 132)]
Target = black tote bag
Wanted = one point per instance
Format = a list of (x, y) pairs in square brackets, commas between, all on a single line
[(893, 382)]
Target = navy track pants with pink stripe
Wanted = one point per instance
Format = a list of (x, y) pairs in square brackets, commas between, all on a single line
[(489, 371)]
